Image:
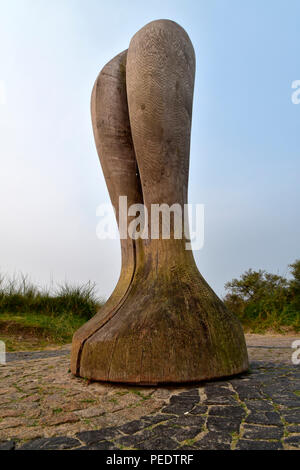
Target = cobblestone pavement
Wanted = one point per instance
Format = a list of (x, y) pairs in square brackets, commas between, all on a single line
[(42, 406)]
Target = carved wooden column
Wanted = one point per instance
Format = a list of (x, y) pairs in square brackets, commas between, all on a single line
[(163, 323)]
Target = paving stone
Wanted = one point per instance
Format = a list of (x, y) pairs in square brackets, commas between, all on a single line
[(227, 411), (11, 423), (293, 441), (268, 418), (187, 433), (247, 390), (32, 398), (61, 418), (262, 432), (221, 396), (199, 410), (7, 391), (8, 445), (287, 402), (132, 441), (178, 408), (244, 444), (151, 420), (91, 412), (186, 402), (219, 424), (164, 430), (183, 398), (52, 443), (158, 443), (291, 417), (189, 420), (104, 445), (193, 393), (133, 426), (293, 429), (259, 405), (211, 446), (91, 437), (214, 441), (217, 388), (9, 413), (145, 434)]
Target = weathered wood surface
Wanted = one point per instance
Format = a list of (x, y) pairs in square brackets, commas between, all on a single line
[(113, 139), (163, 323)]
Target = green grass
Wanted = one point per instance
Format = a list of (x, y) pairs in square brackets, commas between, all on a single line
[(19, 295), (31, 317), (57, 329), (285, 321)]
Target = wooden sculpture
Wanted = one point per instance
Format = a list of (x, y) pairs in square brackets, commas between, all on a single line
[(162, 323)]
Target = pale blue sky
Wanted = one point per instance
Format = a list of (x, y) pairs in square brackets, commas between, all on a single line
[(245, 136)]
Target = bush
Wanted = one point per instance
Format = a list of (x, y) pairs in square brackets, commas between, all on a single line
[(266, 301)]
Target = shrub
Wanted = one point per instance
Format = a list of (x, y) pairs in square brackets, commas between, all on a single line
[(266, 301)]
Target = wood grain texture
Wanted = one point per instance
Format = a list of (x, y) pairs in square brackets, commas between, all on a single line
[(170, 326), (113, 140)]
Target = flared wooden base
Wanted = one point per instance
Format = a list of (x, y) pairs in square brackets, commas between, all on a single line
[(167, 330)]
